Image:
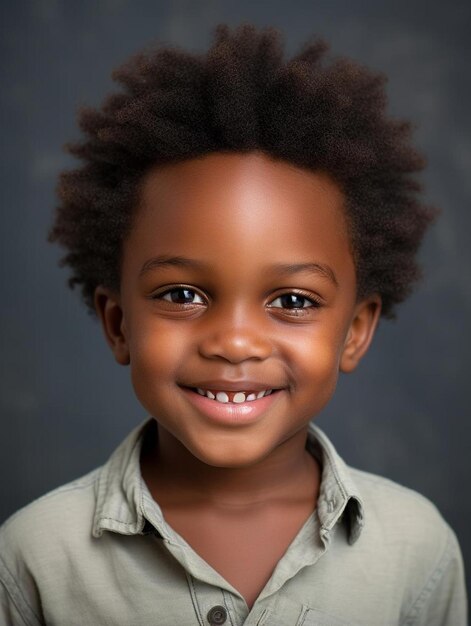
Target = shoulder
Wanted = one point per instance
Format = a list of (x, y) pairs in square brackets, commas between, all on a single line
[(385, 513), (47, 519), (395, 506), (39, 545), (400, 513), (407, 529), (414, 547)]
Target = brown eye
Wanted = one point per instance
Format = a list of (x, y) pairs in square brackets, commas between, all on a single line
[(293, 301), (181, 295)]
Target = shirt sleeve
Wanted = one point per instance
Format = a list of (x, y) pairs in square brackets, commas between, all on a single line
[(9, 613), (14, 608), (443, 601)]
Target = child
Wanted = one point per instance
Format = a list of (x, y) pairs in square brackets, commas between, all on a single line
[(239, 225)]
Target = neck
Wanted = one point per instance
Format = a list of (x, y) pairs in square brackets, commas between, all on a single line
[(175, 476)]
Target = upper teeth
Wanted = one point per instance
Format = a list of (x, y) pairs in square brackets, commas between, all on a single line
[(237, 397)]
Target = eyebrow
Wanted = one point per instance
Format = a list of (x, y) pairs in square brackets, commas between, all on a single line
[(165, 261), (313, 268)]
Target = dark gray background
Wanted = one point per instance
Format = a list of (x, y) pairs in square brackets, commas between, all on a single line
[(65, 405)]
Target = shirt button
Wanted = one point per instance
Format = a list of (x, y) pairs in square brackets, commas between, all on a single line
[(217, 615)]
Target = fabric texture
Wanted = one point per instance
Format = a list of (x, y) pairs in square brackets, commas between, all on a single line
[(99, 551)]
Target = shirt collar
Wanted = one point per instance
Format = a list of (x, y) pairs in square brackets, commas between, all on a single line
[(339, 497), (123, 498), (119, 492)]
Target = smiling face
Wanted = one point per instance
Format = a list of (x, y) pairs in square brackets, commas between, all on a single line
[(237, 276)]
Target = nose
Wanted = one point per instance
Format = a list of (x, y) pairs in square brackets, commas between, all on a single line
[(235, 341)]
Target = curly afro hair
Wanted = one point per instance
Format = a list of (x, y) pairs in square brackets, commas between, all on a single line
[(241, 96)]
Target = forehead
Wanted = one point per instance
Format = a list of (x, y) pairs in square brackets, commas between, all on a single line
[(244, 208)]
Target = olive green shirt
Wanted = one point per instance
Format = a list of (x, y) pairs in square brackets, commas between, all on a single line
[(98, 552)]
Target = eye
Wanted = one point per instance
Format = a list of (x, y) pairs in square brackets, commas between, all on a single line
[(180, 295), (294, 301)]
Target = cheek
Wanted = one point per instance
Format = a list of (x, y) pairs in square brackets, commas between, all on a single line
[(155, 355), (316, 361)]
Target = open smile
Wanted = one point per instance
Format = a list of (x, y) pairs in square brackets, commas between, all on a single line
[(234, 396), (234, 408)]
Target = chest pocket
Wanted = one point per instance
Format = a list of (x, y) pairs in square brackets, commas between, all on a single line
[(313, 617)]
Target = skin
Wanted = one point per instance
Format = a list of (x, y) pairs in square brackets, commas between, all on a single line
[(239, 215)]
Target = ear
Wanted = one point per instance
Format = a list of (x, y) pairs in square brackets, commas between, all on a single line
[(361, 331), (108, 309)]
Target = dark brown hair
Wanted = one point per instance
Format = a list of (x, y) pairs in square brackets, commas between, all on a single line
[(242, 96)]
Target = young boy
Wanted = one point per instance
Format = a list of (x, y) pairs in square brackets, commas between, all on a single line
[(239, 225)]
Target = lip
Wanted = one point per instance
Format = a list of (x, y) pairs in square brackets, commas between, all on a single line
[(230, 413), (233, 385)]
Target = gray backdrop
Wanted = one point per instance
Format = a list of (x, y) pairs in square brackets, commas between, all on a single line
[(65, 405)]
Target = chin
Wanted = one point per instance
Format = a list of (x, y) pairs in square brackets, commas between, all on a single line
[(228, 456)]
